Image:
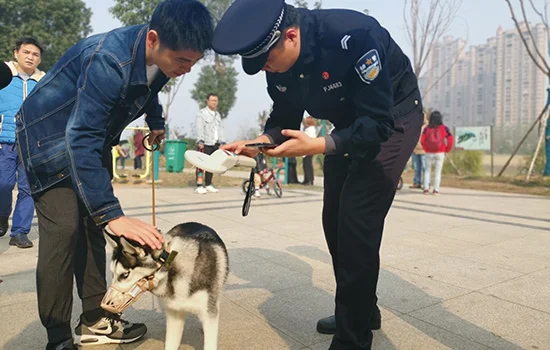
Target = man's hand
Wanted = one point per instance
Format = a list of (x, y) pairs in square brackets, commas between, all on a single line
[(137, 230), (156, 137), (299, 145), (200, 146), (238, 147)]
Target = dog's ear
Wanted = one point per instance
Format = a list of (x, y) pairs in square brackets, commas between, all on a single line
[(132, 247), (110, 237)]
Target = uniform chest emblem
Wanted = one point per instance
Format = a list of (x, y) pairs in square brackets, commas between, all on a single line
[(369, 66), (333, 86), (281, 88)]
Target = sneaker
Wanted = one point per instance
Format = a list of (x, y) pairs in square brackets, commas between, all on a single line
[(415, 186), (201, 190), (212, 189), (109, 330), (426, 191), (435, 193), (257, 194), (21, 241)]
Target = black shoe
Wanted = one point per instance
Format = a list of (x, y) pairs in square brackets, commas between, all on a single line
[(4, 225), (66, 345), (327, 325), (21, 241), (109, 330)]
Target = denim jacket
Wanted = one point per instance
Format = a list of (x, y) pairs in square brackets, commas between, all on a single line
[(77, 112)]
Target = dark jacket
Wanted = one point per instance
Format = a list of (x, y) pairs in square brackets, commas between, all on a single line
[(351, 72)]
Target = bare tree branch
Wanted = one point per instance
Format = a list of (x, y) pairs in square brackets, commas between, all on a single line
[(171, 97), (425, 28), (544, 19), (522, 5), (451, 66), (546, 72)]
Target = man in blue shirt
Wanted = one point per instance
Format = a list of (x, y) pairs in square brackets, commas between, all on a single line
[(27, 53), (65, 131)]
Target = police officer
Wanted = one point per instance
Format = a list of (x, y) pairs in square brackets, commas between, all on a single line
[(339, 65)]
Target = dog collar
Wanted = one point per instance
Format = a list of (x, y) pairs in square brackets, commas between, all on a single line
[(166, 257)]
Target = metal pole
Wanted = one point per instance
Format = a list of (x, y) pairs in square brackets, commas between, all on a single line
[(492, 150)]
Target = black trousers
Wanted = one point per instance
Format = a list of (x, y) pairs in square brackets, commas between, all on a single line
[(308, 169), (69, 244), (358, 194), (207, 176)]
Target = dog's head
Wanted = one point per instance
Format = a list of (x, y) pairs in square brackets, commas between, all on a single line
[(131, 262)]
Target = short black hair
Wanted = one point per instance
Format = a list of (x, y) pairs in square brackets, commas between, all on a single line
[(25, 41), (436, 119), (292, 18), (183, 25), (210, 95)]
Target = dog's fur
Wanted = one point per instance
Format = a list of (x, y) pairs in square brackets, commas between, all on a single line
[(193, 282)]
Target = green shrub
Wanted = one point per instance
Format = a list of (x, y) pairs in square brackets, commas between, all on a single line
[(467, 162)]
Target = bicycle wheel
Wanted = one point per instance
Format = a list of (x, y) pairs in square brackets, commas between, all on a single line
[(400, 184), (278, 189), (245, 185)]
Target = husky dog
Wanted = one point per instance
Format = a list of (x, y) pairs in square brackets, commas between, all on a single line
[(192, 281)]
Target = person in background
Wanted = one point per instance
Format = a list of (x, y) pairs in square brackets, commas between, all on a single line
[(139, 150), (419, 160), (27, 53), (311, 131), (436, 140), (209, 129)]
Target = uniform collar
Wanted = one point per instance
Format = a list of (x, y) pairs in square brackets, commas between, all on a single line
[(308, 43)]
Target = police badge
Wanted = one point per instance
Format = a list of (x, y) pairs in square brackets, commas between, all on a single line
[(369, 66)]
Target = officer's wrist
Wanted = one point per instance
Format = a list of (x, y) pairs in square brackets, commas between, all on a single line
[(319, 145)]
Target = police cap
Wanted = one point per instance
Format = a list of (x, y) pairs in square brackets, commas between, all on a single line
[(250, 28)]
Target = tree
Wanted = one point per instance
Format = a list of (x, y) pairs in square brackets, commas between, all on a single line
[(303, 3), (219, 76), (56, 24), (223, 83), (425, 26), (540, 60)]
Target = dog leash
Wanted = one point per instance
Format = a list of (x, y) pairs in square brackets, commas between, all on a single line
[(155, 147)]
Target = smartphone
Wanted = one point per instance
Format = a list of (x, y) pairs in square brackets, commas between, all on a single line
[(262, 145)]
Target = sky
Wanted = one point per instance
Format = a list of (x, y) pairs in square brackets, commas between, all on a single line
[(477, 20)]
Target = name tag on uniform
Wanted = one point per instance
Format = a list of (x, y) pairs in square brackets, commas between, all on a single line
[(369, 66), (333, 86)]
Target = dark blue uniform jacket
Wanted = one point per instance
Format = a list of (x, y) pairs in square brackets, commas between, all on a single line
[(350, 72)]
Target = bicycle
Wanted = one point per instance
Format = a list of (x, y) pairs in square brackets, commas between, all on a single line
[(266, 180)]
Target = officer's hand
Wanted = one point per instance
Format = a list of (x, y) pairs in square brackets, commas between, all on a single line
[(137, 230), (200, 146), (156, 137), (299, 145), (238, 147)]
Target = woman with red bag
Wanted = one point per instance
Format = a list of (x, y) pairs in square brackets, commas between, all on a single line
[(436, 141)]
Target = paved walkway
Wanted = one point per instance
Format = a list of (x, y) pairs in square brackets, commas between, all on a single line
[(466, 270)]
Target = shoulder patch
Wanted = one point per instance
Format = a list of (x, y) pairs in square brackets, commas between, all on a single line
[(369, 66)]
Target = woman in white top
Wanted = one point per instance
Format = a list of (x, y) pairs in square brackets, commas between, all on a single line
[(311, 131)]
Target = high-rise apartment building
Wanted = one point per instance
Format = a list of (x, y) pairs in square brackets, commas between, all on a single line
[(494, 83)]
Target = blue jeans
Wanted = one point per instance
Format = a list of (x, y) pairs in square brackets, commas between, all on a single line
[(12, 172), (419, 164)]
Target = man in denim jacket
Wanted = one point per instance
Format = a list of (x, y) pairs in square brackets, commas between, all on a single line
[(65, 131)]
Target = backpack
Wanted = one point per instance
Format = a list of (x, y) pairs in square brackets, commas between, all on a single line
[(434, 140)]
